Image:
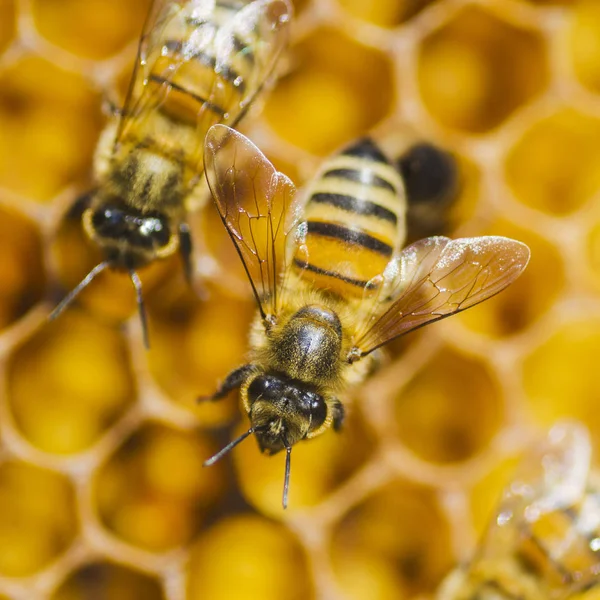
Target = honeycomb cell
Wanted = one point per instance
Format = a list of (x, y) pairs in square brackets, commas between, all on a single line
[(7, 23), (95, 29), (396, 544), (190, 355), (248, 557), (559, 376), (477, 69), (108, 580), (21, 266), (529, 297), (319, 466), (82, 385), (37, 518), (153, 492), (584, 43), (330, 71), (450, 410), (386, 13), (555, 166), (50, 120)]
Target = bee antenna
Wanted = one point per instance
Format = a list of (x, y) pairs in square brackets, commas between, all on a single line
[(213, 459), (137, 284), (286, 479), (76, 290)]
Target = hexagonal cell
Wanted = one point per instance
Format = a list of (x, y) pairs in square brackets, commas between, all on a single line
[(584, 42), (386, 13), (111, 294), (83, 383), (153, 492), (21, 266), (560, 376), (108, 580), (450, 410), (37, 518), (94, 29), (340, 88), (319, 466), (477, 69), (190, 355), (248, 556), (396, 544), (50, 120), (555, 167), (529, 297), (8, 16)]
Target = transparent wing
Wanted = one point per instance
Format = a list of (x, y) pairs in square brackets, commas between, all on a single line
[(257, 206), (437, 277), (549, 518), (202, 62)]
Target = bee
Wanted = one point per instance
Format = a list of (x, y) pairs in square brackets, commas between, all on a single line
[(544, 540), (332, 282), (431, 179), (199, 63)]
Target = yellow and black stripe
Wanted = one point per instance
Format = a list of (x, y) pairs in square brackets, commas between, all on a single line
[(354, 220), (186, 91)]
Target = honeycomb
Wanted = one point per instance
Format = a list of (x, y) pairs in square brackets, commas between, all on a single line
[(102, 490)]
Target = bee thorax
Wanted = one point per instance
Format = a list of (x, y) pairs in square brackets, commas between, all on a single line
[(309, 344)]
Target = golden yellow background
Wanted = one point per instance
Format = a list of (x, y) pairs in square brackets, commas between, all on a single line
[(102, 490)]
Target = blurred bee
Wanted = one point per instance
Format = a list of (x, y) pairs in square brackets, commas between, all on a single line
[(200, 62), (431, 180), (331, 282), (544, 541)]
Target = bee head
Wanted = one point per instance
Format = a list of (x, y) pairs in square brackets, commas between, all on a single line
[(283, 411), (130, 239)]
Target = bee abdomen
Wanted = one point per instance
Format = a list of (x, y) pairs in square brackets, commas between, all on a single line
[(197, 79), (355, 220)]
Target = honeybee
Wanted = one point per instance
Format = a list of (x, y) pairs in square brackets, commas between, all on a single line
[(200, 62), (431, 179), (331, 281), (544, 540)]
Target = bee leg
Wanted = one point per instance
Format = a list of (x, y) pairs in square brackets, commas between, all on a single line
[(337, 409), (185, 249), (232, 381), (79, 207)]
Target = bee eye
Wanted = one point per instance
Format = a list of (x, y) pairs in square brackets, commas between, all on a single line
[(112, 216), (318, 412), (109, 221), (259, 388), (155, 229)]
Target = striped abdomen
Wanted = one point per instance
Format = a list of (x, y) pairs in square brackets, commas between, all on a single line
[(188, 88), (355, 221)]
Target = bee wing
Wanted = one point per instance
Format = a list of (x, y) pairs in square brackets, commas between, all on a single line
[(208, 59), (257, 206), (437, 277), (549, 516)]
